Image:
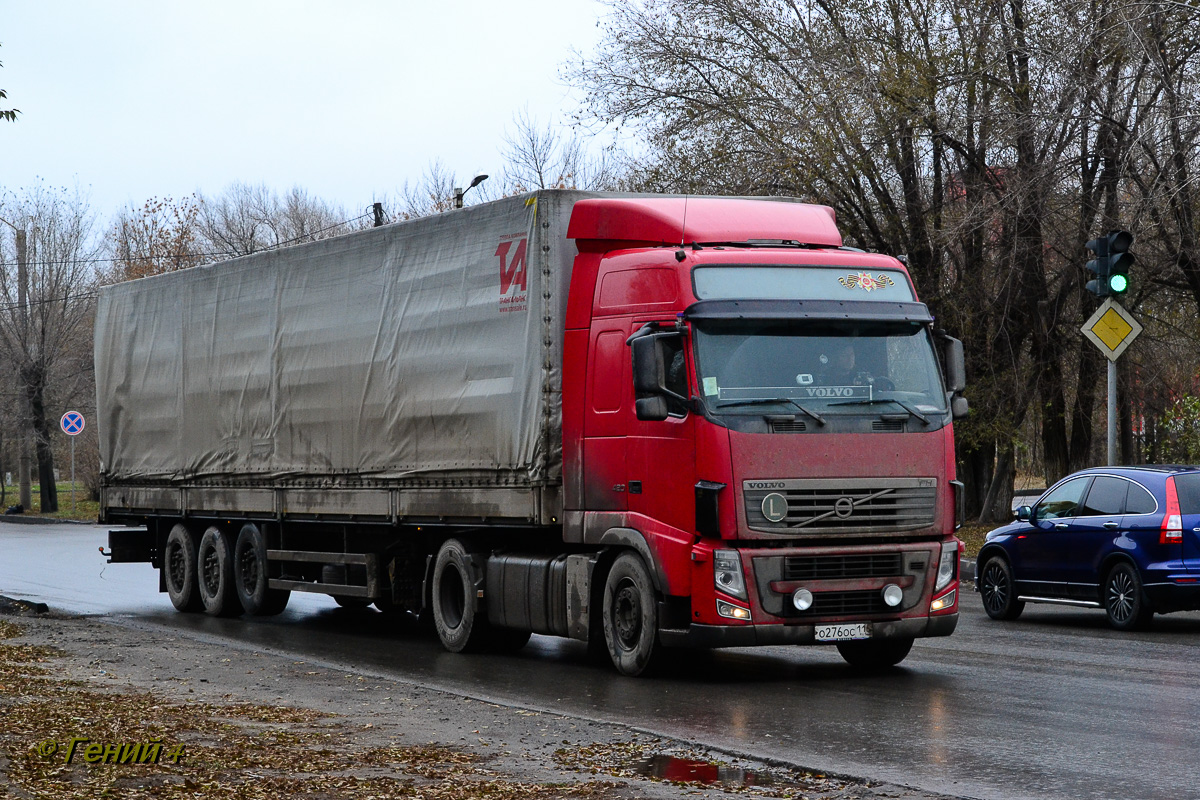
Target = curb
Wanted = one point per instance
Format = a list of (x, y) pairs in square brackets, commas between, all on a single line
[(22, 519), (22, 606)]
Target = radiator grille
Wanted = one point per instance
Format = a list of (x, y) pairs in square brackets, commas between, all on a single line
[(830, 505), (874, 565)]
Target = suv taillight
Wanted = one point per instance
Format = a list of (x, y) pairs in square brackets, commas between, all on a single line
[(1172, 524)]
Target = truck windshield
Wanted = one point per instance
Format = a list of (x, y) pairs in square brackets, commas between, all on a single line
[(821, 367)]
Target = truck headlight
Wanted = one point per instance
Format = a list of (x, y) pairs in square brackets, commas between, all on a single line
[(947, 566), (727, 573)]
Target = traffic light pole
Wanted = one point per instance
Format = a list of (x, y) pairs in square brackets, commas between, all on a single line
[(1111, 328), (1112, 413)]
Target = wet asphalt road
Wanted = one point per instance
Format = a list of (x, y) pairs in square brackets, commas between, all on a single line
[(1054, 705)]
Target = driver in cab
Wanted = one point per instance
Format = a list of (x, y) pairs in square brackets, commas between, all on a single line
[(838, 365)]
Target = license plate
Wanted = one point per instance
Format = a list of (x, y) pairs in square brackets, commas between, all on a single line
[(846, 632)]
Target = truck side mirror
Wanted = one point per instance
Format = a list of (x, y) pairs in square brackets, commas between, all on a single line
[(649, 365), (956, 369), (959, 406), (651, 409)]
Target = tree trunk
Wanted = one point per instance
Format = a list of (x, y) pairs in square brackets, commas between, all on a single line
[(997, 507), (1083, 417), (35, 388), (1055, 451), (976, 474)]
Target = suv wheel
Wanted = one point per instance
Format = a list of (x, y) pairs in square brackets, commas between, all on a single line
[(998, 590), (1124, 600)]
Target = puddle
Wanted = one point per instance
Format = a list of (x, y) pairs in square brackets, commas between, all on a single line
[(686, 770)]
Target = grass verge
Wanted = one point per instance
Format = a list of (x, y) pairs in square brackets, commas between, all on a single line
[(82, 508), (207, 750)]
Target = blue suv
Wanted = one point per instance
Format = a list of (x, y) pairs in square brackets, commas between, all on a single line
[(1125, 539)]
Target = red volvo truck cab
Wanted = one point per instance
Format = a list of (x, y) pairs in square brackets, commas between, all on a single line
[(760, 413), (638, 421)]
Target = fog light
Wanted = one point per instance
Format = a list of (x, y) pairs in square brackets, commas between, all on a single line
[(943, 602), (730, 611), (892, 595), (802, 599)]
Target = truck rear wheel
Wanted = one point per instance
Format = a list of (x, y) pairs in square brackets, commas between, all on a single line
[(875, 655), (217, 581), (456, 609), (630, 616), (250, 568), (179, 570)]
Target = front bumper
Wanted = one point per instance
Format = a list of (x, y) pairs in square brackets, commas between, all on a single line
[(707, 636)]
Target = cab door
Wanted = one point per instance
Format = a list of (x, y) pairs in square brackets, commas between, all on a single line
[(662, 454), (607, 412)]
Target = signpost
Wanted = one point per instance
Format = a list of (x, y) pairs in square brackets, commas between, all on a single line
[(1112, 329), (72, 424)]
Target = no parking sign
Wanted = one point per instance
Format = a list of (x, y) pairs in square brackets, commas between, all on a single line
[(72, 423)]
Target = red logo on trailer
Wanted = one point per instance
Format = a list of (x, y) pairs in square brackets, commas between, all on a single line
[(513, 294)]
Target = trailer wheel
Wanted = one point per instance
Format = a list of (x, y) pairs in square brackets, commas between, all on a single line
[(456, 609), (217, 581), (179, 570), (875, 655), (630, 616), (250, 568)]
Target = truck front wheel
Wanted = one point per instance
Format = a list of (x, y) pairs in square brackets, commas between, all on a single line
[(456, 611), (250, 568), (179, 570), (217, 581), (630, 616)]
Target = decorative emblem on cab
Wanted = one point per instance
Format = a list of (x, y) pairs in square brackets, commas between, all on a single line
[(866, 281)]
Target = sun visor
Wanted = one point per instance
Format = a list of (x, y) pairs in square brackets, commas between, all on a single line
[(828, 310)]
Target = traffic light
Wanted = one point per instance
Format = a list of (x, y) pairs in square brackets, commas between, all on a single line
[(1111, 264)]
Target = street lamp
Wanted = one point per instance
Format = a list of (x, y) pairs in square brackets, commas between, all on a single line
[(458, 193)]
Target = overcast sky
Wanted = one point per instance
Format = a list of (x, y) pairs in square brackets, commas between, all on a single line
[(346, 99)]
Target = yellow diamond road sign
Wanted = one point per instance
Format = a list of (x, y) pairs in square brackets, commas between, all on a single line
[(1112, 329)]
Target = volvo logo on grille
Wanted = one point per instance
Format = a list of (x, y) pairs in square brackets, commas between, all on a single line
[(843, 508), (775, 507)]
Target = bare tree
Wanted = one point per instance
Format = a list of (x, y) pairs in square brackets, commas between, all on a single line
[(434, 193), (537, 157), (161, 236), (245, 219), (40, 323), (534, 157)]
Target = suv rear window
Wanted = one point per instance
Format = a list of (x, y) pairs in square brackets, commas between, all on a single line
[(1188, 488)]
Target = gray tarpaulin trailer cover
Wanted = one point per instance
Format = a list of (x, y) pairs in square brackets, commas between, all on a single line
[(361, 375)]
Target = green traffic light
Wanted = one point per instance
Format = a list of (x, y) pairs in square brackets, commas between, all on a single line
[(1118, 283)]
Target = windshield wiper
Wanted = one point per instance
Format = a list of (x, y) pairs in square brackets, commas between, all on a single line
[(758, 401), (865, 401)]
